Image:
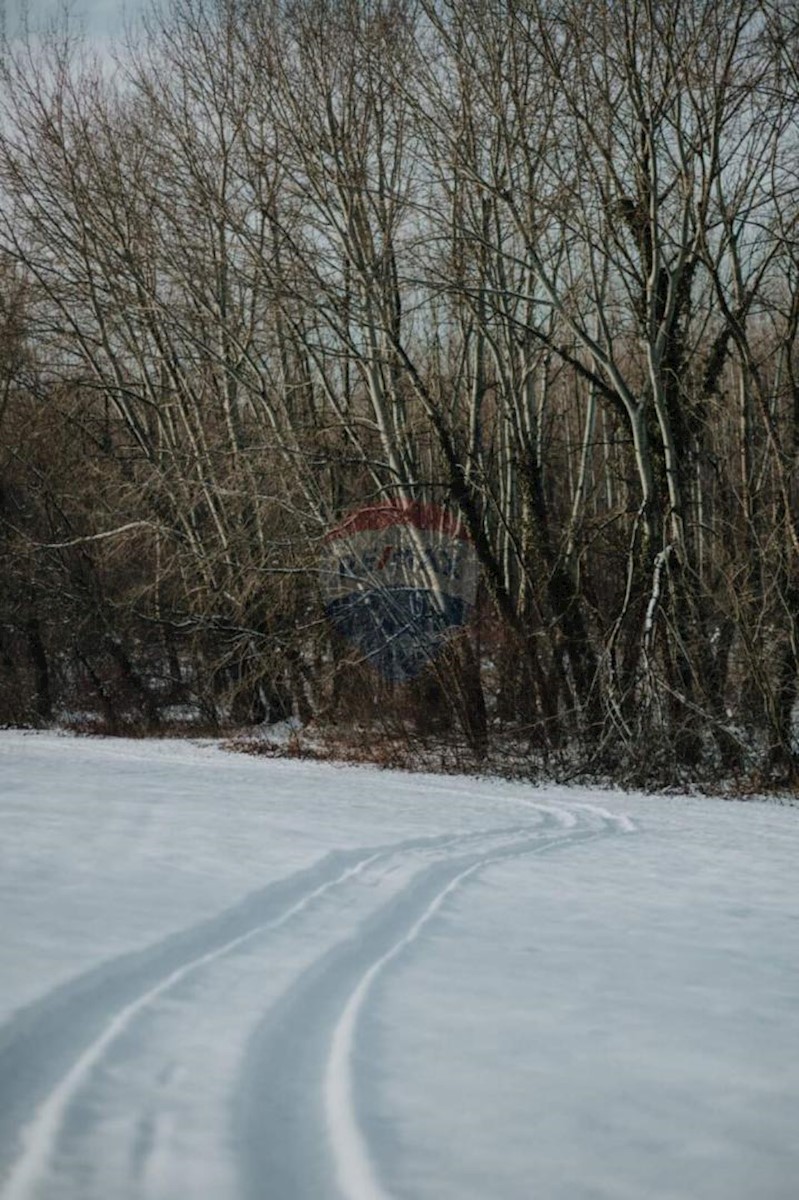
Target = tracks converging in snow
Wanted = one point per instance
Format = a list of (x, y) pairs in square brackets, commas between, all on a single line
[(299, 1126)]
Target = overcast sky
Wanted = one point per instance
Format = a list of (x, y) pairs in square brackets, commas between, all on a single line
[(102, 18)]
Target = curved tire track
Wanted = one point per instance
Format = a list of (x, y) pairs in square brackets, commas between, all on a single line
[(298, 1126), (50, 1050)]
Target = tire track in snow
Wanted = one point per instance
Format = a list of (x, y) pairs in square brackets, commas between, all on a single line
[(305, 1047), (622, 822), (41, 1134), (140, 980), (355, 1171)]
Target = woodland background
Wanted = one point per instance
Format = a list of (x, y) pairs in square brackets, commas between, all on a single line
[(534, 260)]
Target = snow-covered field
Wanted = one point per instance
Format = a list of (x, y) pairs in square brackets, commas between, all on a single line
[(227, 978)]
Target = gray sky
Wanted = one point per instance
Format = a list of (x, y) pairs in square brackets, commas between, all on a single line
[(103, 18)]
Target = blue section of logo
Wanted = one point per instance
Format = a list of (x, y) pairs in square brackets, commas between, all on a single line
[(398, 630)]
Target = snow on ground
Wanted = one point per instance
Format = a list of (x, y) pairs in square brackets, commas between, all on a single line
[(224, 978)]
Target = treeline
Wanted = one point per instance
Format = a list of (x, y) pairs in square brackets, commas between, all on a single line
[(533, 260)]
